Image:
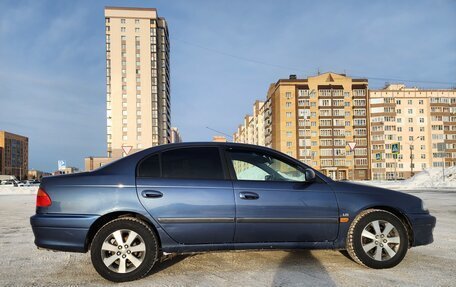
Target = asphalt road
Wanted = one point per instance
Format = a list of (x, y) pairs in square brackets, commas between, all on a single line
[(21, 264)]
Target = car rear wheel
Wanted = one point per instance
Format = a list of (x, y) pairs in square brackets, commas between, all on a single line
[(124, 249), (377, 239)]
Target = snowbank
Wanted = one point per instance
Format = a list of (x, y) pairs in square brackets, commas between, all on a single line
[(431, 178), (13, 190)]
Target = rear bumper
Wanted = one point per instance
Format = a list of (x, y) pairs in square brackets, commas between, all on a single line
[(423, 226), (62, 232)]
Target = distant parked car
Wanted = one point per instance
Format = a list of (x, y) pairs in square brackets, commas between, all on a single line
[(9, 182), (23, 183), (33, 182), (193, 197)]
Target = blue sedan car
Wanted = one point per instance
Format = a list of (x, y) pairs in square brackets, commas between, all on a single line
[(196, 197)]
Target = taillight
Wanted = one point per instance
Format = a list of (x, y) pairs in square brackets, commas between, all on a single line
[(42, 198)]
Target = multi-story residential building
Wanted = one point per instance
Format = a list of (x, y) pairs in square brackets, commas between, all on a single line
[(13, 155), (175, 135), (37, 174), (138, 104), (253, 130), (315, 120), (137, 79), (94, 162), (422, 123)]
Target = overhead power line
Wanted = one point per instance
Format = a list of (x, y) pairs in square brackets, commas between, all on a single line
[(288, 68), (219, 132)]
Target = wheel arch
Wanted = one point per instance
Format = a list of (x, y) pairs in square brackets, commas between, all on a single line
[(102, 220), (400, 214)]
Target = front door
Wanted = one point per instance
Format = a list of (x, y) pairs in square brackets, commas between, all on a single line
[(275, 204), (190, 196)]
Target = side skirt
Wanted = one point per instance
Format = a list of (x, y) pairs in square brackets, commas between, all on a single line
[(183, 248)]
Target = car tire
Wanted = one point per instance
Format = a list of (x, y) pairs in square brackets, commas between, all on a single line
[(377, 239), (130, 260)]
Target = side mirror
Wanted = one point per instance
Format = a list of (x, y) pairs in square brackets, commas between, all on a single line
[(310, 175), (268, 177)]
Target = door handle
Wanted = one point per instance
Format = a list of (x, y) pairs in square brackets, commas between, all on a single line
[(248, 195), (151, 194)]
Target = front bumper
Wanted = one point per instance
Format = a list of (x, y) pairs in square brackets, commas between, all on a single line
[(62, 232), (423, 226)]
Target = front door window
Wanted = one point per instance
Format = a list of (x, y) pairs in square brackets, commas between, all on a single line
[(261, 167)]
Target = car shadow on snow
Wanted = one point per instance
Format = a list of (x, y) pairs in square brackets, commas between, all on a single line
[(301, 268), (167, 262)]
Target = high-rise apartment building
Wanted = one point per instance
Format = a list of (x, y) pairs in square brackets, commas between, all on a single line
[(421, 124), (13, 155), (315, 120), (137, 79), (253, 130), (175, 135)]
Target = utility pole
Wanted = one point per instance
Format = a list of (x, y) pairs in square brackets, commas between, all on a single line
[(411, 154), (441, 147)]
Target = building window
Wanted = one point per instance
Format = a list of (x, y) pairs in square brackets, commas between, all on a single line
[(136, 21), (122, 21), (122, 29), (136, 30), (288, 95)]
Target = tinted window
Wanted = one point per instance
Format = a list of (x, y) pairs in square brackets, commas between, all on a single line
[(257, 166), (150, 167), (192, 163)]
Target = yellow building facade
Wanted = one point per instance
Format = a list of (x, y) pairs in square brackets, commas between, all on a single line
[(420, 122), (315, 119)]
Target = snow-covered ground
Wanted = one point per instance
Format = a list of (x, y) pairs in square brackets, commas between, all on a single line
[(12, 190), (429, 179)]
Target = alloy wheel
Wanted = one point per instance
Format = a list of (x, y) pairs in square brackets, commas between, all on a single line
[(380, 240), (123, 251)]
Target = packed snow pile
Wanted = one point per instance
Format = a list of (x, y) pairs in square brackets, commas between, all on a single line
[(434, 178), (431, 178), (15, 190)]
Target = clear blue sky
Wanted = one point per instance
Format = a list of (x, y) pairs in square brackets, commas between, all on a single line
[(52, 76)]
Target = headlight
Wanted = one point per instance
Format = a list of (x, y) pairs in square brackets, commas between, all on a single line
[(424, 207)]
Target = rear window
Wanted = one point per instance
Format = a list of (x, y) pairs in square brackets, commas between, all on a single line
[(150, 167), (192, 163)]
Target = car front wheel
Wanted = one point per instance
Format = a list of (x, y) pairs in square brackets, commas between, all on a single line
[(377, 239), (124, 249)]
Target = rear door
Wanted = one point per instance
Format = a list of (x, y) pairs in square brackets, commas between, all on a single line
[(188, 192), (275, 204)]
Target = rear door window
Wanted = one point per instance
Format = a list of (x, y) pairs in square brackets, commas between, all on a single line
[(192, 163), (150, 167)]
